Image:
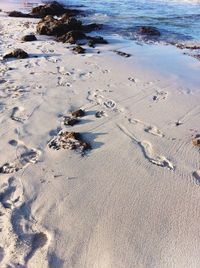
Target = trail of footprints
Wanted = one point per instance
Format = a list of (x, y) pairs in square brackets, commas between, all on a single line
[(145, 146), (21, 237)]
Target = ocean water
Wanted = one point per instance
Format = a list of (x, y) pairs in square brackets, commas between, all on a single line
[(178, 20)]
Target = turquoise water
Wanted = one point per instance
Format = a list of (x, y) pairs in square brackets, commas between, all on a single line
[(177, 20)]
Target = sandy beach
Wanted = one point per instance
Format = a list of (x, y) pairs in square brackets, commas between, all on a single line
[(129, 201)]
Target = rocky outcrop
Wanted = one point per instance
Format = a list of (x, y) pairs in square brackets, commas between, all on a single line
[(51, 26)]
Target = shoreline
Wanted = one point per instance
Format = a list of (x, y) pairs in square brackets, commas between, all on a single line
[(133, 199)]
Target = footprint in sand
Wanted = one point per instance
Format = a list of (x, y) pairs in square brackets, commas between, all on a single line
[(147, 128), (160, 95), (196, 175), (105, 71), (148, 150), (17, 114), (53, 59), (3, 81), (25, 156), (154, 131), (132, 79), (63, 83), (63, 71), (154, 158), (100, 114), (101, 100), (109, 104), (16, 91), (2, 107), (19, 228), (84, 75), (10, 194), (2, 254)]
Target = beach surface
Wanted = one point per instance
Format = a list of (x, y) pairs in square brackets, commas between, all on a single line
[(133, 199)]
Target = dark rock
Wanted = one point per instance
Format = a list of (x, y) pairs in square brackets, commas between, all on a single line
[(79, 50), (148, 30), (123, 54), (96, 40), (29, 38), (91, 27), (74, 24), (16, 53), (72, 37), (19, 14), (78, 113)]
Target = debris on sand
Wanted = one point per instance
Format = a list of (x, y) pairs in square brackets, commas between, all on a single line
[(196, 141), (70, 121), (69, 140), (78, 113)]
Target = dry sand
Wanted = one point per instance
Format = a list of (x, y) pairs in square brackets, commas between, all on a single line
[(133, 200)]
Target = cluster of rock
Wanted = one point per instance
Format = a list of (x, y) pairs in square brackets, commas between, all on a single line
[(65, 27), (62, 23), (69, 30)]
